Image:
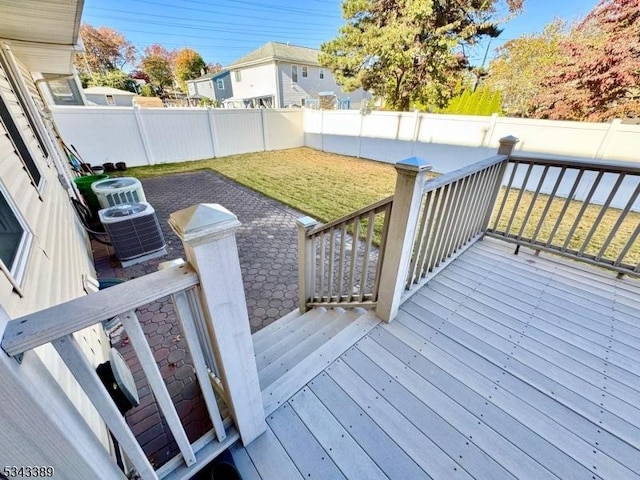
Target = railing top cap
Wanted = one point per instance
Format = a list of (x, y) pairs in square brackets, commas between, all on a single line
[(414, 164), (202, 220)]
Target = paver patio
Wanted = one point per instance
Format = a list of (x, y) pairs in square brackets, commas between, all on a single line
[(267, 247)]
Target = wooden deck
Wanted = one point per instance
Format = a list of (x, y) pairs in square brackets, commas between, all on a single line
[(502, 367)]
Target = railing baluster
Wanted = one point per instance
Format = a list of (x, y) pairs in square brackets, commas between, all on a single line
[(341, 260), (547, 206), (627, 246), (518, 199), (585, 205), (603, 210), (147, 361), (365, 258), (434, 203), (616, 227), (439, 226), (187, 305), (448, 246), (354, 257), (483, 211), (321, 239), (381, 249), (465, 211), (420, 239), (533, 201), (71, 354), (441, 253), (331, 262), (565, 207), (507, 190)]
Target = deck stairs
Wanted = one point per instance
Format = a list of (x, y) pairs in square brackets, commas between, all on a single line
[(293, 350)]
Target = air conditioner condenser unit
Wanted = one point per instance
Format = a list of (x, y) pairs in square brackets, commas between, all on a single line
[(134, 231), (116, 191)]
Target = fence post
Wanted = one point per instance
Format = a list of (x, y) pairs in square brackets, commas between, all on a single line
[(212, 131), (263, 123), (402, 227), (207, 232), (506, 148), (416, 130), (607, 139), (143, 136), (306, 262)]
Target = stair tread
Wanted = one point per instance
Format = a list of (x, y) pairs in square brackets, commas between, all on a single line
[(286, 326), (315, 361), (328, 326)]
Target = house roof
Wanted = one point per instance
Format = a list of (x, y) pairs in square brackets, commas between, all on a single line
[(107, 91), (278, 51), (209, 76)]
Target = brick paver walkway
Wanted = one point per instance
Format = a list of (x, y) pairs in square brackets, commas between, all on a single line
[(267, 247)]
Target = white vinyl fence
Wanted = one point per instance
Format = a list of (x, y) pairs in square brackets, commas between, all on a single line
[(147, 136), (450, 142)]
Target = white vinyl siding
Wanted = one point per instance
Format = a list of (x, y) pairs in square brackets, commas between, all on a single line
[(59, 255)]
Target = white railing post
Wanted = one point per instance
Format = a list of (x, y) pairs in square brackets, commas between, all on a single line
[(506, 148), (402, 227), (208, 234), (306, 261)]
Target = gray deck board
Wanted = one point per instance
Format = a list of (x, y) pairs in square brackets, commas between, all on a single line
[(391, 459), (303, 449), (504, 332), (352, 460), (502, 366)]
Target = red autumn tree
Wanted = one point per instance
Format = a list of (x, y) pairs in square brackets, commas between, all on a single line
[(106, 49), (598, 75)]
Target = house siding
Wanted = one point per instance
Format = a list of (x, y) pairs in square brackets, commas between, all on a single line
[(101, 99), (59, 255), (293, 92), (257, 81)]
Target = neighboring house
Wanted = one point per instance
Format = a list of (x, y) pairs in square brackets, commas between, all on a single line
[(215, 86), (44, 254), (109, 96), (278, 75)]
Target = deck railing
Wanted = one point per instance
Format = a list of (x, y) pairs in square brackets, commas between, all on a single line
[(452, 216), (57, 325), (209, 301), (585, 210), (340, 262)]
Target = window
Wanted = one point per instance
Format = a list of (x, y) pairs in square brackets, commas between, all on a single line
[(321, 73), (25, 108), (238, 75), (110, 99), (305, 71), (65, 91), (15, 240), (220, 83), (18, 142), (294, 73)]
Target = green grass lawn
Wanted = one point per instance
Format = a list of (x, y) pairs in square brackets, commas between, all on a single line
[(322, 185), (327, 186)]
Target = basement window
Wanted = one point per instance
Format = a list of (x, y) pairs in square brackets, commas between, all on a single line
[(15, 240)]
